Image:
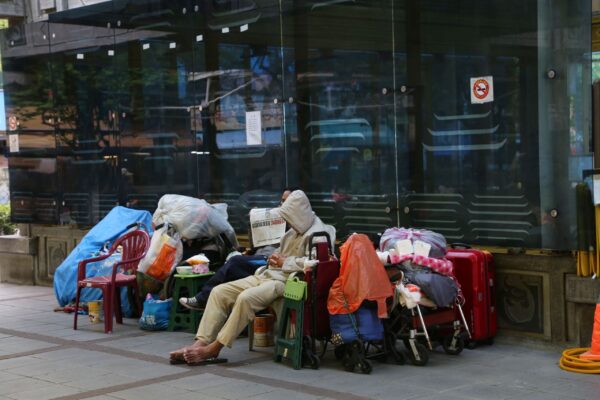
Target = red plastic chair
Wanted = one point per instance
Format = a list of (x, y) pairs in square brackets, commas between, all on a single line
[(134, 245)]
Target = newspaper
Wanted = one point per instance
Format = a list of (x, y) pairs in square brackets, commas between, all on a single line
[(267, 226)]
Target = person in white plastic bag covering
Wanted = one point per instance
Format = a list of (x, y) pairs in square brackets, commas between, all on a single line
[(236, 267), (232, 305)]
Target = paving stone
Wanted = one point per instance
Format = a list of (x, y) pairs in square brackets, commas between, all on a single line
[(279, 394), (10, 363), (33, 370), (487, 391), (578, 390), (151, 392), (441, 396), (65, 375), (44, 393), (237, 390), (20, 385), (6, 376), (104, 397), (63, 354), (501, 371), (98, 381), (200, 382), (546, 396), (13, 345)]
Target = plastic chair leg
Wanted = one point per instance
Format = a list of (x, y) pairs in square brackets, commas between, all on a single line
[(117, 304), (138, 303), (76, 307), (108, 308)]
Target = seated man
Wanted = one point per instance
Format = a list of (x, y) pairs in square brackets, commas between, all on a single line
[(232, 305), (237, 267)]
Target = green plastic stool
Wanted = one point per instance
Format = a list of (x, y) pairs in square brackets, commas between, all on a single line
[(290, 348), (181, 317)]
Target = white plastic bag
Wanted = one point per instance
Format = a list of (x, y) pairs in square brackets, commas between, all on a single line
[(164, 254), (193, 218)]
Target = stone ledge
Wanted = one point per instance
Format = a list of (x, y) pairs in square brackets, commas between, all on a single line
[(582, 290), (549, 263), (14, 244), (17, 268)]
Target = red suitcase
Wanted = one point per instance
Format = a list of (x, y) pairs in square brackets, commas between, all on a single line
[(474, 270), (316, 315)]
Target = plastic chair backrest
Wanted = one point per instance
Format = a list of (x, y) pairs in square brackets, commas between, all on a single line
[(134, 245)]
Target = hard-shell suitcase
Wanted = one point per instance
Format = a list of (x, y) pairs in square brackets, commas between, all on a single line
[(475, 272)]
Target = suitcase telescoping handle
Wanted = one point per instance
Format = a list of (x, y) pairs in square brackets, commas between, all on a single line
[(312, 244)]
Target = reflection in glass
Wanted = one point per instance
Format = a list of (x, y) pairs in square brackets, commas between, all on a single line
[(365, 104)]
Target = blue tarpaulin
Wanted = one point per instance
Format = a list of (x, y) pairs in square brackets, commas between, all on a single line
[(107, 230)]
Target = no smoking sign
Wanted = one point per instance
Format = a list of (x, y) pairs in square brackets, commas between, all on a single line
[(482, 89)]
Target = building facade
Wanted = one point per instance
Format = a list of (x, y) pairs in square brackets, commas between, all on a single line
[(470, 118)]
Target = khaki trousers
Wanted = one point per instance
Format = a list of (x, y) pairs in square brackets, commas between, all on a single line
[(232, 305)]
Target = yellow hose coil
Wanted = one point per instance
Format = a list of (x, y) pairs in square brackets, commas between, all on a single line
[(570, 361)]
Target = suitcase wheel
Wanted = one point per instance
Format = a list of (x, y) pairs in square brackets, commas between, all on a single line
[(339, 352), (418, 356), (453, 345), (471, 345), (394, 354), (365, 366), (354, 357), (309, 358)]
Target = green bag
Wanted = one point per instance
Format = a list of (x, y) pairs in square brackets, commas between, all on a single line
[(295, 289)]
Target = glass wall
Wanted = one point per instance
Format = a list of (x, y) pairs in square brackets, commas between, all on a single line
[(370, 106), (29, 105)]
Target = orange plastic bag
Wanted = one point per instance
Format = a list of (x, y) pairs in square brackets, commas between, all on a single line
[(362, 277), (161, 267)]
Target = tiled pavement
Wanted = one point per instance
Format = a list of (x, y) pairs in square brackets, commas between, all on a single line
[(42, 357)]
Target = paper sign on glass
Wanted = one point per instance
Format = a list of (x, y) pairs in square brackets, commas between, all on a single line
[(253, 128), (13, 143), (422, 248), (596, 182)]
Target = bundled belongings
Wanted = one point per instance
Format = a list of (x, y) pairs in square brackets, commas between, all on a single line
[(422, 277), (413, 241), (420, 254), (113, 225), (362, 277), (217, 249), (441, 289), (356, 304), (194, 218)]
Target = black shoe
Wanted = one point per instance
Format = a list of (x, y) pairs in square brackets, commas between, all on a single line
[(191, 303)]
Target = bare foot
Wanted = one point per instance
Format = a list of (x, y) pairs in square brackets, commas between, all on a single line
[(177, 355), (194, 354), (198, 343)]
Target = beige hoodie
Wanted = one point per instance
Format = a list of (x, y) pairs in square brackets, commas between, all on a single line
[(303, 222)]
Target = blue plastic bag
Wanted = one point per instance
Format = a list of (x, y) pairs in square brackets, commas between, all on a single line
[(346, 328), (156, 313)]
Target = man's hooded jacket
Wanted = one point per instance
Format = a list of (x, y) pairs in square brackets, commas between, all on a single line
[(294, 245)]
